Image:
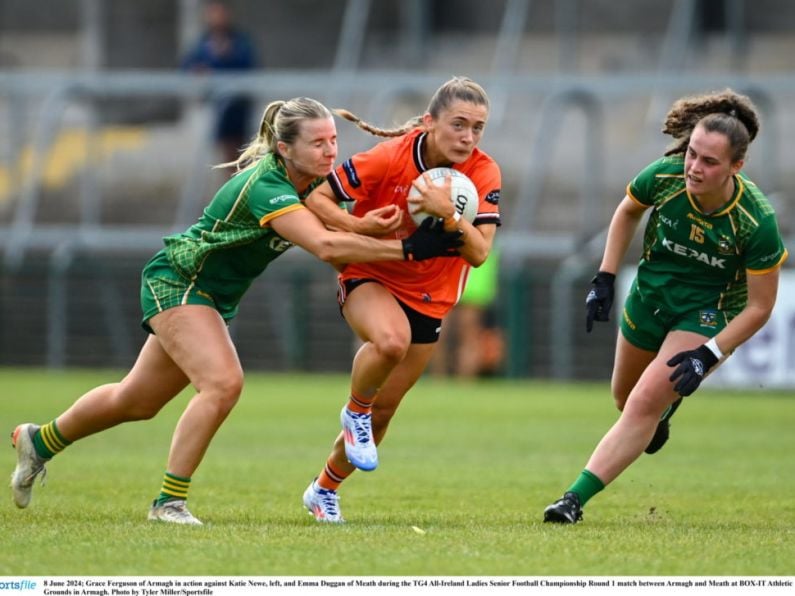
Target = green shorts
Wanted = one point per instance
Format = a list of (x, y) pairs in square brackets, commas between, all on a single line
[(645, 326), (163, 288)]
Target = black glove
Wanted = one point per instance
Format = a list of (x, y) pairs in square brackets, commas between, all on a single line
[(693, 367), (430, 240), (599, 299)]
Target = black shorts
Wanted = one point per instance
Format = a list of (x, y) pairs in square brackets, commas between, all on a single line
[(424, 329)]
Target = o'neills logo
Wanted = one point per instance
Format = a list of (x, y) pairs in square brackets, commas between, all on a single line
[(283, 199)]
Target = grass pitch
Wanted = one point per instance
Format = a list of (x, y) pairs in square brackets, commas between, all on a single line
[(472, 465)]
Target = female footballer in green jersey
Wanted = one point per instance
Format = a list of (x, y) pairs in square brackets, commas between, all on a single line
[(706, 282), (191, 289)]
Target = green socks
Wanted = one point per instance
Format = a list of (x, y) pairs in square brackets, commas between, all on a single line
[(48, 441), (174, 487), (586, 486)]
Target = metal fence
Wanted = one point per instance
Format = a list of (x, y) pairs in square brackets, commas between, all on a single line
[(567, 145)]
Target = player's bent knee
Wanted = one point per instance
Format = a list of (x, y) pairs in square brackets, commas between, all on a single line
[(620, 395), (620, 401), (393, 348), (643, 405), (223, 391)]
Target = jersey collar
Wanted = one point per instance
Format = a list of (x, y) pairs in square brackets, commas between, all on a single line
[(419, 144), (739, 188)]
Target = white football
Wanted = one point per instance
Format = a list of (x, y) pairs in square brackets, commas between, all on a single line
[(463, 193)]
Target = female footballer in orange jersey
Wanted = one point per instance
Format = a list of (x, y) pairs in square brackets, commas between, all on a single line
[(397, 311), (192, 289)]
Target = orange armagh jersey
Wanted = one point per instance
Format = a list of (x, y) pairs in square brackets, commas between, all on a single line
[(383, 176)]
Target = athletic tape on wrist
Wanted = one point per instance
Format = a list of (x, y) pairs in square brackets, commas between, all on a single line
[(713, 347), (456, 217)]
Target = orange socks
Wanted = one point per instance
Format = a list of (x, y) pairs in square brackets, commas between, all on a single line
[(360, 404), (329, 478)]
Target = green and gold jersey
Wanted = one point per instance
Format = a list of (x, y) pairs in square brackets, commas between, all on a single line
[(693, 259), (232, 242)]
